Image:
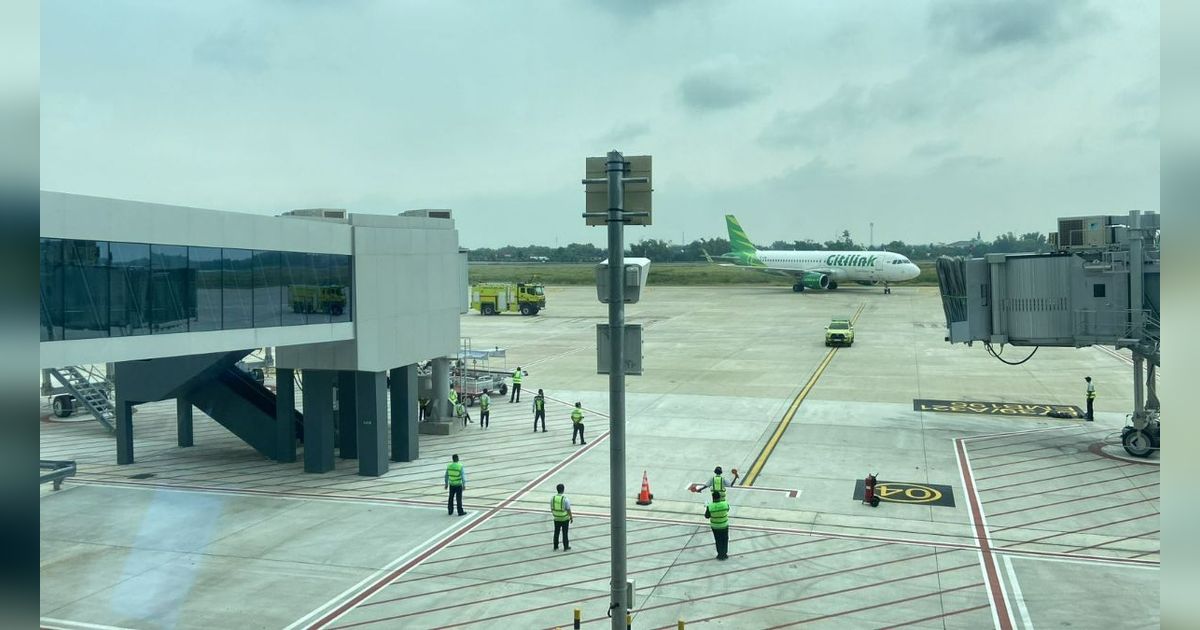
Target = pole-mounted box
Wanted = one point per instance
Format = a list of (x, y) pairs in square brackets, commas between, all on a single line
[(633, 349), (637, 194), (637, 271)]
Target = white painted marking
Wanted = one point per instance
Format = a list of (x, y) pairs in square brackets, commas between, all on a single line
[(987, 582), (1017, 596), (1086, 562), (50, 622), (353, 590)]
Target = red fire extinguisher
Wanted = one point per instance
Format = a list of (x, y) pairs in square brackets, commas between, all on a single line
[(869, 491)]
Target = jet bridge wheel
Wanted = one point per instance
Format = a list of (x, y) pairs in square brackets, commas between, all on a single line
[(63, 406), (1140, 443)]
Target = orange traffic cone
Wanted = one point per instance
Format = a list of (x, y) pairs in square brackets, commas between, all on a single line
[(644, 496)]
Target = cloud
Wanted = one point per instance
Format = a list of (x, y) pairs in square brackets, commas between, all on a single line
[(717, 89), (235, 50), (631, 9), (967, 162), (926, 93), (933, 149), (625, 133), (982, 26)]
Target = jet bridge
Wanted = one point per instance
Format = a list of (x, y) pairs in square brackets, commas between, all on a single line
[(1100, 286)]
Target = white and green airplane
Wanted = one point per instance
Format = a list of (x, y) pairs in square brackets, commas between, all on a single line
[(817, 269)]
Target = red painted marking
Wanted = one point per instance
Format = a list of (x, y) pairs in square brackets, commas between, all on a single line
[(1035, 470), (874, 606), (1059, 518), (934, 617), (999, 605), (1074, 499), (808, 597), (793, 494), (1142, 535), (442, 544), (1063, 477), (518, 594)]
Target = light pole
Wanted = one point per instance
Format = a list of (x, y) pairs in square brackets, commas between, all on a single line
[(615, 216)]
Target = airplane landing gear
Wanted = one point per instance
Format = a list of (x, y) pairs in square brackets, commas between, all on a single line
[(887, 290), (798, 287)]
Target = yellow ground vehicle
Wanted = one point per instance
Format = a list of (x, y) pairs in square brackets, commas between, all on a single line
[(840, 332), (491, 298), (311, 298)]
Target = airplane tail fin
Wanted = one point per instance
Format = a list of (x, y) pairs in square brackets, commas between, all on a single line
[(739, 243)]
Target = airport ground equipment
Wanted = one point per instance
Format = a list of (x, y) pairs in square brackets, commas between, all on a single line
[(869, 491), (475, 372), (493, 298), (1100, 286), (54, 471), (81, 386), (839, 332)]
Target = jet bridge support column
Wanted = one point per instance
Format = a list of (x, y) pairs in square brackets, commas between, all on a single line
[(371, 420), (183, 420), (440, 408), (404, 414), (285, 415), (347, 403), (1143, 438), (318, 421)]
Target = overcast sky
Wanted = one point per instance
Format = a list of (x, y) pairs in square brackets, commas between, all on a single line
[(934, 120)]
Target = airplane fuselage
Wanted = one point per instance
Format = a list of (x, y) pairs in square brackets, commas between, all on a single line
[(845, 266)]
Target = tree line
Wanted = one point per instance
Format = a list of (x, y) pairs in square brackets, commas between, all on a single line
[(660, 250)]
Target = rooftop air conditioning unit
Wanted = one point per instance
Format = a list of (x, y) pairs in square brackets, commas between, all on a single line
[(334, 214), (427, 212)]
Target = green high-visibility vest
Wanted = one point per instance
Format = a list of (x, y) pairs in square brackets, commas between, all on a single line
[(576, 415), (539, 403), (454, 470), (558, 508), (718, 514), (718, 485), (1091, 391), (517, 377), (453, 396), (484, 402)]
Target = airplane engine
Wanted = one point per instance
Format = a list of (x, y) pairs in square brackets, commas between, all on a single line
[(816, 281)]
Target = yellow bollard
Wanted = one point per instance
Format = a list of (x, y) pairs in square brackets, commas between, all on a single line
[(578, 617), (628, 621), (681, 625)]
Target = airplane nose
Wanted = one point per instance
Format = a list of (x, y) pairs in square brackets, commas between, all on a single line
[(913, 271)]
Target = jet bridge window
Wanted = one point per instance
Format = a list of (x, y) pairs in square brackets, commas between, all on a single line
[(1098, 290)]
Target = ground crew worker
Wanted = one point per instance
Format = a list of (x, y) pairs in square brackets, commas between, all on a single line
[(460, 410), (485, 402), (560, 507), (717, 514), (421, 408), (1091, 397), (453, 397), (577, 421), (515, 396), (539, 411), (456, 482), (719, 483)]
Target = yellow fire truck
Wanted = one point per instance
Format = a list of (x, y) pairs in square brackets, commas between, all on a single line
[(492, 298)]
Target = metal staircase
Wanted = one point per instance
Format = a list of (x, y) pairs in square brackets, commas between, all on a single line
[(90, 393)]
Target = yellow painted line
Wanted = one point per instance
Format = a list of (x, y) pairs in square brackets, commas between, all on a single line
[(769, 448)]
